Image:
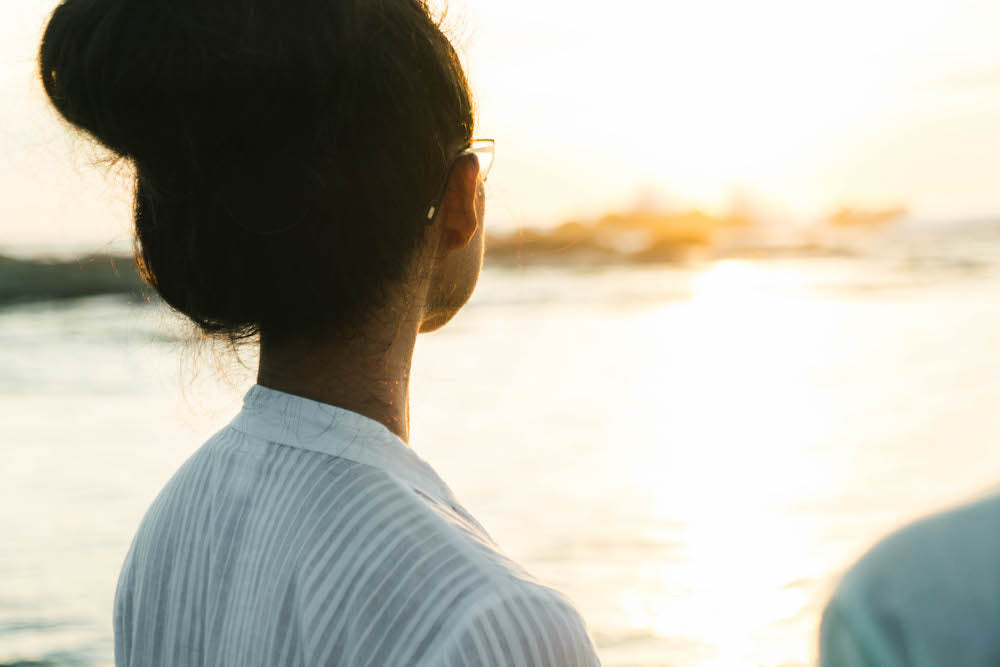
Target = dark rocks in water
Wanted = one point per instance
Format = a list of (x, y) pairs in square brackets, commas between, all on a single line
[(530, 247), (849, 217), (629, 238), (26, 280)]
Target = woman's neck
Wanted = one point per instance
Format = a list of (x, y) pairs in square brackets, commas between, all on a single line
[(368, 374)]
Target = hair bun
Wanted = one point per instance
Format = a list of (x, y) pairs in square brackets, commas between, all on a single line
[(167, 82), (80, 62)]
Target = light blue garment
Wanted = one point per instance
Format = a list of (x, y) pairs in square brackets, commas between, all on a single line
[(928, 594), (306, 534)]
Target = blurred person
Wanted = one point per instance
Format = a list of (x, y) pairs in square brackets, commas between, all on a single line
[(929, 594), (306, 179)]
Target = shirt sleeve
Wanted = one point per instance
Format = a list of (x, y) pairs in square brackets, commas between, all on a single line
[(838, 647), (854, 640), (529, 629)]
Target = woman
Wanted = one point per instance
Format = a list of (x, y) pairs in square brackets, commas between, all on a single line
[(305, 173)]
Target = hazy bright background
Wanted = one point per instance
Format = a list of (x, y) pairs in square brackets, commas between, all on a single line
[(788, 106), (714, 441)]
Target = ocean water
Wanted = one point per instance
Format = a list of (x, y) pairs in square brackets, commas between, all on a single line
[(692, 454)]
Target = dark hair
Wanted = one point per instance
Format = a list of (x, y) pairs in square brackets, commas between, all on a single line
[(284, 150)]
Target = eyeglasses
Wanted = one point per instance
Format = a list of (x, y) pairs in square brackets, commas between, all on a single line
[(483, 149)]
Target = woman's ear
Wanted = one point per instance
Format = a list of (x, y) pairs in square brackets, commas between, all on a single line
[(457, 215)]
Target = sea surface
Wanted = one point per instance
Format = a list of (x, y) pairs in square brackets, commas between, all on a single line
[(693, 454)]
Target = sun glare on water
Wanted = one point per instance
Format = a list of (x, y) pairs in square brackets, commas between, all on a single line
[(730, 462)]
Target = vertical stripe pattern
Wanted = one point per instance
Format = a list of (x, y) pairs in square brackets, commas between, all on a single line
[(306, 534)]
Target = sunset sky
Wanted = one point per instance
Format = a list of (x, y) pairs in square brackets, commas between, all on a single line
[(791, 107)]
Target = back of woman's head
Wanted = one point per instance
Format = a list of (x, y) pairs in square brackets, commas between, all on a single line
[(284, 150)]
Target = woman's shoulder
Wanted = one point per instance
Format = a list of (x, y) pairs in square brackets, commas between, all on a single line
[(514, 622), (402, 578)]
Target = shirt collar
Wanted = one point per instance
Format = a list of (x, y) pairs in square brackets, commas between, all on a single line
[(296, 421)]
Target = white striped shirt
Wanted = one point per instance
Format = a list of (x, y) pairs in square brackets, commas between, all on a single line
[(307, 534)]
